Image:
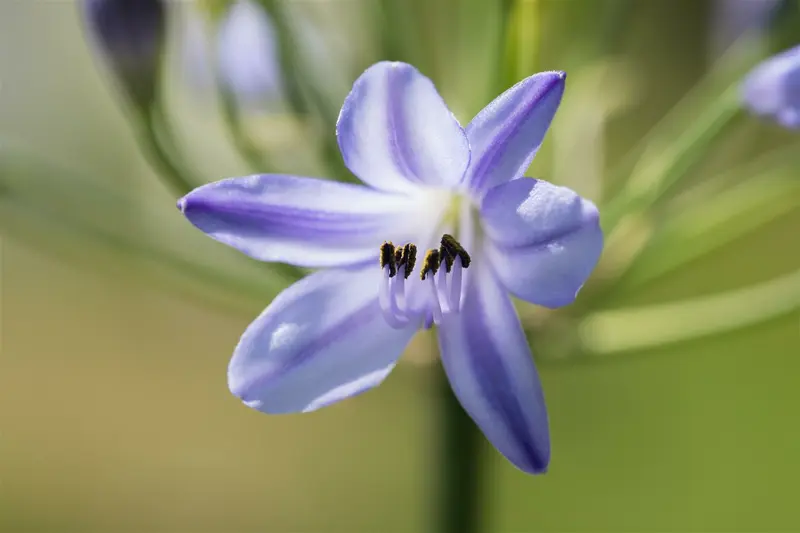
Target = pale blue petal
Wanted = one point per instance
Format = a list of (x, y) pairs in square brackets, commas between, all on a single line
[(772, 89), (304, 221), (395, 131), (320, 341), (544, 240), (489, 364), (505, 136)]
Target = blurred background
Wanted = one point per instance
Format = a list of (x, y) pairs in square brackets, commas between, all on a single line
[(672, 383)]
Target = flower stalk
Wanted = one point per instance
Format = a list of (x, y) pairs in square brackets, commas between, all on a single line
[(457, 503)]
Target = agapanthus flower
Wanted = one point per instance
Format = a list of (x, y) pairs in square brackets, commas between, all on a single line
[(772, 89), (129, 37), (428, 185)]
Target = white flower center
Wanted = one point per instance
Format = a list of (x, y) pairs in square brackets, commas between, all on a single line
[(438, 292)]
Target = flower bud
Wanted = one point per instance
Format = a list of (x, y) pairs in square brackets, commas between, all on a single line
[(129, 37)]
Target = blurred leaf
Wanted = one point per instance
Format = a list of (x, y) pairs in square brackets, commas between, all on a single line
[(713, 222), (622, 330), (664, 164), (51, 204), (681, 139), (305, 96)]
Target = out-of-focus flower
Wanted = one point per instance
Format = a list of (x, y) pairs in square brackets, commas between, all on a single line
[(772, 89), (733, 18), (129, 36), (242, 44), (340, 331)]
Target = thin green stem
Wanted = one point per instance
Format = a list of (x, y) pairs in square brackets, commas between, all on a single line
[(626, 330), (252, 154), (458, 502), (169, 170)]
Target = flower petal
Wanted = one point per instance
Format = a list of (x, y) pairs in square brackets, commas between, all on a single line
[(505, 136), (489, 364), (544, 240), (320, 341), (303, 221), (773, 88), (395, 131)]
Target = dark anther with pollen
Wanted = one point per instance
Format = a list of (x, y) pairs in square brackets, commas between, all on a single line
[(446, 257), (387, 258), (453, 249), (430, 263), (406, 256), (409, 258)]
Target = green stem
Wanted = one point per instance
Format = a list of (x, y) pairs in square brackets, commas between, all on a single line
[(170, 171), (458, 503), (645, 327), (255, 157)]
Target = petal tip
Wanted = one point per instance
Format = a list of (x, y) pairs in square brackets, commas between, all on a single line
[(181, 205)]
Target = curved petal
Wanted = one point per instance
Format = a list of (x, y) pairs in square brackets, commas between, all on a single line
[(507, 133), (773, 88), (489, 364), (544, 240), (395, 131), (320, 341), (303, 221)]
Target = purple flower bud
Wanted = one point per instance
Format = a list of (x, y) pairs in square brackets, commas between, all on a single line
[(129, 37), (772, 89)]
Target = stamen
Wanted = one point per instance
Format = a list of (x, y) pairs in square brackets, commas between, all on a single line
[(441, 291), (388, 258), (398, 292), (409, 258), (455, 286), (455, 249), (430, 264), (436, 308), (447, 258), (442, 271), (385, 302)]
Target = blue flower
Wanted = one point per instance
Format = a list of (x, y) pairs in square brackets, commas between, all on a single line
[(428, 184), (129, 36), (772, 89)]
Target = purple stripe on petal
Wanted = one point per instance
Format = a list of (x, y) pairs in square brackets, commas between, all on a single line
[(305, 352), (395, 131), (399, 142), (489, 364), (304, 221), (494, 387), (320, 341), (505, 136)]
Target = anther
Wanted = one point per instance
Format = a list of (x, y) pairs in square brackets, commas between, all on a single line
[(388, 258), (430, 263), (454, 249), (409, 258), (446, 257)]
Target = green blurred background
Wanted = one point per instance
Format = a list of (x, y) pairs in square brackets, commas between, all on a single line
[(114, 408)]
